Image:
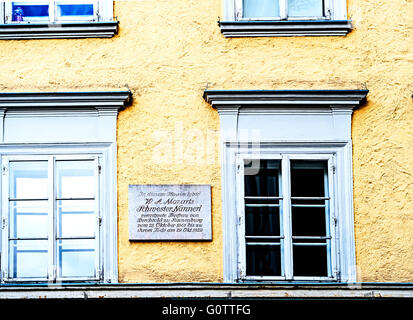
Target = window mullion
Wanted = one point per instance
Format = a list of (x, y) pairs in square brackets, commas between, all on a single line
[(52, 220), (286, 190)]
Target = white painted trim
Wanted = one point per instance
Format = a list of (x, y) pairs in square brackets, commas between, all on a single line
[(232, 10)]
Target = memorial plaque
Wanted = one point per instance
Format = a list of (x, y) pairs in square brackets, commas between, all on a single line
[(170, 212)]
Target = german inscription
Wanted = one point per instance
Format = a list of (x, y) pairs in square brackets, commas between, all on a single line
[(170, 212)]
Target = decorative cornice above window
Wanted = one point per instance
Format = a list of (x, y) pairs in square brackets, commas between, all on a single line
[(112, 100), (290, 28), (25, 31), (229, 99)]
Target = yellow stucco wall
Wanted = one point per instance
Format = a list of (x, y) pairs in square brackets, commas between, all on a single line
[(167, 52)]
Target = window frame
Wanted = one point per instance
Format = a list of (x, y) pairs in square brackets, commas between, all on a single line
[(285, 211), (108, 272), (283, 12)]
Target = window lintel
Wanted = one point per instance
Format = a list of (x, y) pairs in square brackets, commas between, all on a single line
[(229, 99), (35, 100)]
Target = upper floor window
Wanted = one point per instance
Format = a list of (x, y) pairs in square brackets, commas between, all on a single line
[(283, 9)]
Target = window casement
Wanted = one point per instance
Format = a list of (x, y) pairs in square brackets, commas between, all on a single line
[(286, 218), (54, 19), (253, 18), (51, 218), (287, 197)]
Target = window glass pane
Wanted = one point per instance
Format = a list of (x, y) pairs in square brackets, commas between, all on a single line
[(260, 8), (28, 219), (75, 179), (262, 178), (305, 8), (310, 260), (76, 258), (28, 259), (35, 10), (28, 180), (76, 218), (262, 221), (75, 10), (308, 178), (263, 260), (309, 220)]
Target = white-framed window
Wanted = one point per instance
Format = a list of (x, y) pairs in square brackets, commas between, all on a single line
[(57, 11), (245, 10), (51, 218), (286, 228)]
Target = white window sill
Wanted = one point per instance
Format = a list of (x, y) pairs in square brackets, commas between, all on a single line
[(291, 28), (24, 31)]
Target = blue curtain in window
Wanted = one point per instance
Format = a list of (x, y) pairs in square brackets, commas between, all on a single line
[(260, 8)]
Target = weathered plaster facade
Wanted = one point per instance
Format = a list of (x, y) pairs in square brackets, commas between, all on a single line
[(167, 53)]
